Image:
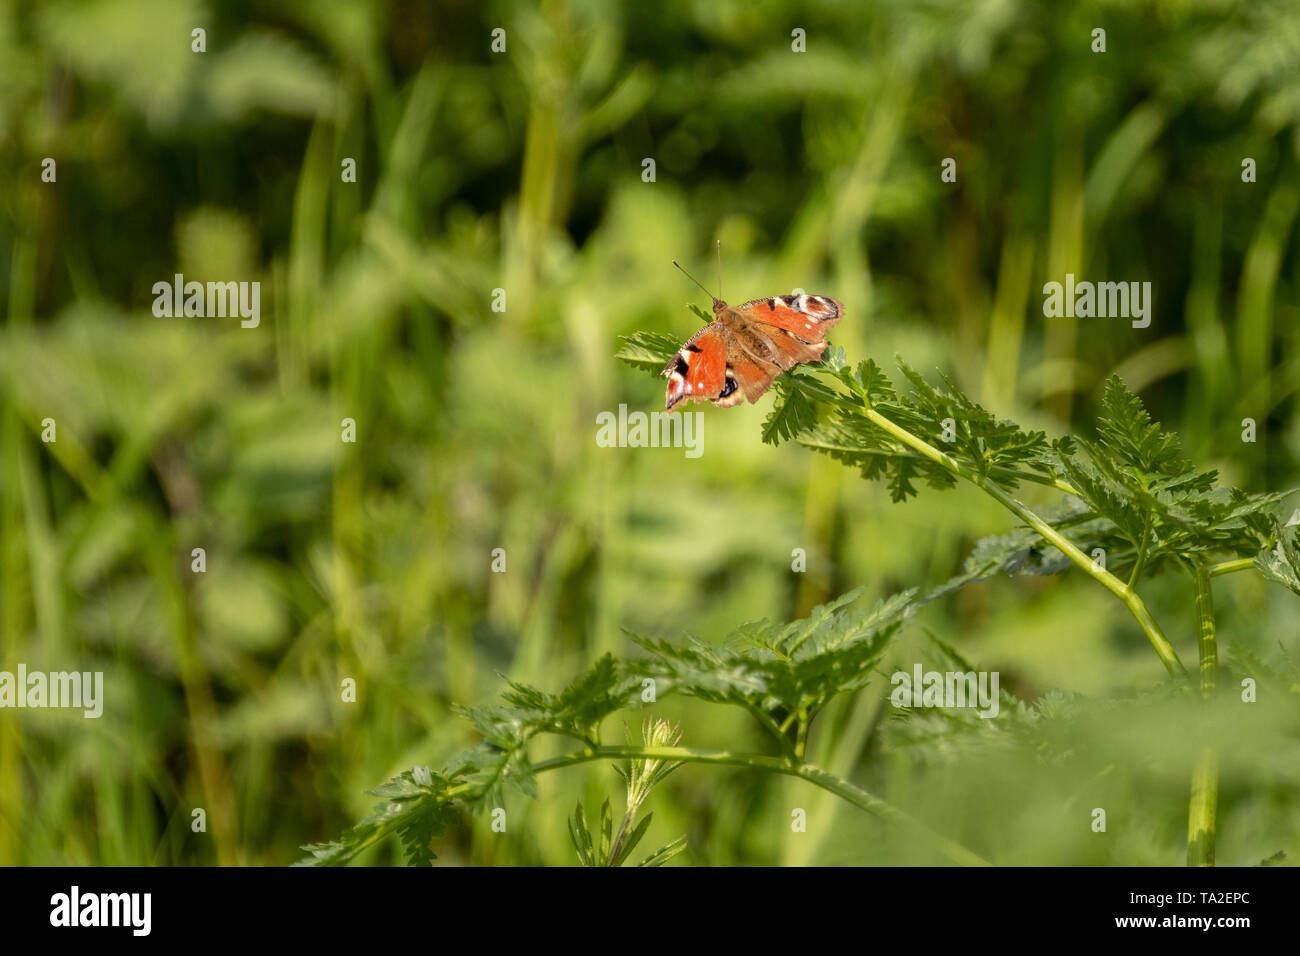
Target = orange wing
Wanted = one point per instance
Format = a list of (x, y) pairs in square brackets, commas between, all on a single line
[(780, 332), (701, 370), (806, 317), (738, 357), (755, 375)]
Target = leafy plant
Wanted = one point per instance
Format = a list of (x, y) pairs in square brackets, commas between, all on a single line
[(1134, 507), (1134, 501), (641, 776), (782, 674)]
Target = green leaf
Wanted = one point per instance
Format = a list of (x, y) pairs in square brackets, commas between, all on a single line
[(577, 711), (633, 838), (1282, 564), (665, 853), (795, 410), (416, 811), (942, 416), (834, 359), (606, 831), (1024, 551), (875, 383), (820, 620), (581, 837), (1128, 433), (1177, 514), (648, 350), (780, 668)]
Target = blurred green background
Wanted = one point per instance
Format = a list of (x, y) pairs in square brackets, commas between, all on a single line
[(476, 429)]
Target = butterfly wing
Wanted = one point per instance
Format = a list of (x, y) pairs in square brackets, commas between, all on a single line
[(806, 317), (754, 374), (773, 335), (739, 355), (702, 371)]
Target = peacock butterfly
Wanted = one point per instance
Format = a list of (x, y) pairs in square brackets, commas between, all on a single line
[(746, 347)]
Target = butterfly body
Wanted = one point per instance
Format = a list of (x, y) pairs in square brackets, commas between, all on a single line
[(745, 347)]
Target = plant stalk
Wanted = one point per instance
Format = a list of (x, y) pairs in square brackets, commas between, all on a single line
[(1228, 567), (1135, 604), (815, 775), (1203, 807)]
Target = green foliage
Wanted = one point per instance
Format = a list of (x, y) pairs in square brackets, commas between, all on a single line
[(478, 171), (1133, 493), (417, 812), (577, 712), (1158, 503), (641, 777), (785, 670), (1282, 565), (591, 852), (1024, 551), (779, 671), (650, 350), (478, 778), (943, 416), (1134, 440), (597, 852)]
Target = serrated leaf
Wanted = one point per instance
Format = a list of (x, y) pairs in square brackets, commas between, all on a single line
[(943, 417), (648, 350), (874, 382), (576, 711), (416, 812), (1282, 564), (1127, 432), (835, 359), (781, 668), (791, 414), (795, 409)]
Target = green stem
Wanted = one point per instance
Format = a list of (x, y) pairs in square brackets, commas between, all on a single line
[(814, 775), (1228, 567), (764, 718), (1002, 470), (623, 828), (1142, 552), (1202, 811), (1113, 584), (1206, 637)]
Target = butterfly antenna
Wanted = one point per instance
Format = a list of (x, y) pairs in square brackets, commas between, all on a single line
[(696, 281), (719, 268)]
